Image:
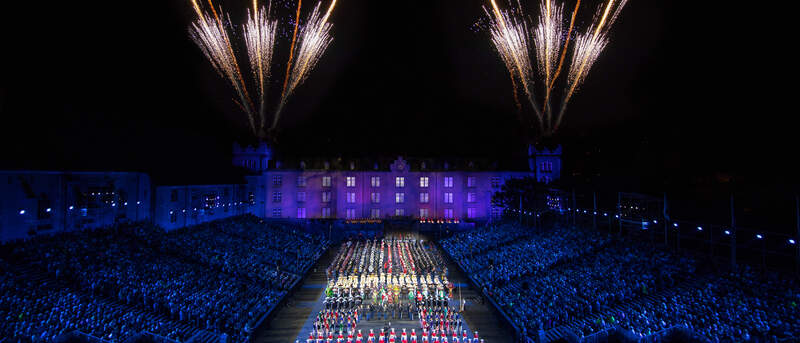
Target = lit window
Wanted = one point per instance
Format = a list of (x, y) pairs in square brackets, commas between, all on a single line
[(471, 181), (496, 212), (326, 196), (448, 213), (399, 198), (399, 212), (301, 196), (423, 182), (448, 198), (301, 212), (326, 181), (276, 212), (471, 213), (326, 212), (375, 213), (423, 198), (301, 181), (495, 182), (376, 198), (277, 180), (472, 197), (276, 196), (375, 181), (351, 181), (351, 213), (351, 197), (423, 213), (448, 181), (400, 181)]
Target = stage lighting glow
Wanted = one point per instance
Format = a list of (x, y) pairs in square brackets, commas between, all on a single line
[(21, 211), (699, 228), (71, 207), (759, 236), (675, 224), (791, 241), (727, 232), (48, 210)]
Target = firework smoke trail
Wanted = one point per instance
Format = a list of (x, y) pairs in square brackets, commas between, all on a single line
[(259, 36), (588, 47), (210, 34), (510, 38), (315, 39), (547, 41)]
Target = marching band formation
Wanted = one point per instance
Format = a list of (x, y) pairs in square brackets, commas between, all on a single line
[(384, 280)]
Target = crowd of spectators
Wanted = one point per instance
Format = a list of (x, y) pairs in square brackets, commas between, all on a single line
[(739, 305), (567, 276), (222, 277)]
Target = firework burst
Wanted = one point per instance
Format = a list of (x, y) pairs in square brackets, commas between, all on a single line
[(547, 40), (315, 38), (510, 37), (509, 34), (210, 33), (259, 36)]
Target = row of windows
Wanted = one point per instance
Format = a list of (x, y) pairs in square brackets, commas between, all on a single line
[(399, 181), (375, 198), (375, 213)]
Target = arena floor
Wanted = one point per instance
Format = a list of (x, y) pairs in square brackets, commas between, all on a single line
[(293, 321)]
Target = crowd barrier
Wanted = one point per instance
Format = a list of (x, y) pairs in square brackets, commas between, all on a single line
[(76, 336), (149, 337)]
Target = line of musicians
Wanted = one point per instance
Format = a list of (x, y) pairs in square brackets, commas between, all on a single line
[(391, 336)]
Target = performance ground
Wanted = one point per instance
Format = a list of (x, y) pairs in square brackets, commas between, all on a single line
[(295, 319)]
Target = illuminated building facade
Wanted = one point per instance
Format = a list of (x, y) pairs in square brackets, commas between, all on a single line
[(419, 189)]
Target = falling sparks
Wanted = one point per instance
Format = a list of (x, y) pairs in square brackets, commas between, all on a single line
[(315, 38), (509, 35), (547, 40), (587, 49), (260, 32), (211, 35), (259, 35)]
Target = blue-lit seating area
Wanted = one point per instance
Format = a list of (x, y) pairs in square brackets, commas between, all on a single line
[(219, 279), (568, 282)]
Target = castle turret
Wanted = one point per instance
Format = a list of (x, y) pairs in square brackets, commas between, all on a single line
[(545, 163), (255, 159)]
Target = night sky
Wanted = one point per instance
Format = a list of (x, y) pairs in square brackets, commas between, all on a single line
[(118, 85)]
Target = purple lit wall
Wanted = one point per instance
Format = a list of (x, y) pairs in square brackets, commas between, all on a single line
[(380, 194)]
